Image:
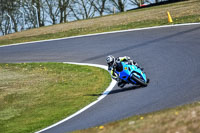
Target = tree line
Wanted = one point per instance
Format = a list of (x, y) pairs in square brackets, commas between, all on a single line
[(17, 15)]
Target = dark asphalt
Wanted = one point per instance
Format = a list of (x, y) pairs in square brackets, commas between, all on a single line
[(170, 56)]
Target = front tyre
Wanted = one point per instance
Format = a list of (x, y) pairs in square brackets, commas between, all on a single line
[(139, 81)]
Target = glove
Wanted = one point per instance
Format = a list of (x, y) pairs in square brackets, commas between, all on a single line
[(127, 57)]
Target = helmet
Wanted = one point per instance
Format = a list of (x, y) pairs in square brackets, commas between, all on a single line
[(110, 60)]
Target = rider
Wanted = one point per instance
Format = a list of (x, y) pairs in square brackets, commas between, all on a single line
[(115, 63)]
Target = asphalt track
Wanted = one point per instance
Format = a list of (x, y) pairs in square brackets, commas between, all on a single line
[(170, 56)]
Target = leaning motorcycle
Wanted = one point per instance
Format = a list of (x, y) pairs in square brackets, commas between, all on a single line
[(132, 74)]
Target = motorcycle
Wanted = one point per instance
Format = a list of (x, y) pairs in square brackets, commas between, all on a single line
[(132, 74)]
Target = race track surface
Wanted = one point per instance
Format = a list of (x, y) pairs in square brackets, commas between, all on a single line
[(170, 56)]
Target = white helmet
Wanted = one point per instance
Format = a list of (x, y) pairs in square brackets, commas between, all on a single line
[(110, 60)]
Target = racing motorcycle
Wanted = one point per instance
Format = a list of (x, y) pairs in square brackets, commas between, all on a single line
[(132, 74)]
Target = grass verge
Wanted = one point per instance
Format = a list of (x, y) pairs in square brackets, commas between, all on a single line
[(181, 12), (183, 119), (36, 95)]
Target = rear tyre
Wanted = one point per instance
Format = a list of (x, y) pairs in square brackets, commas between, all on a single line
[(121, 84), (139, 81), (148, 80)]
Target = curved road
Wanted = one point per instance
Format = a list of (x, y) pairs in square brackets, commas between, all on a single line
[(170, 56)]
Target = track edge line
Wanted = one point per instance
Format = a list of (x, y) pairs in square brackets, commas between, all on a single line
[(104, 94), (102, 33)]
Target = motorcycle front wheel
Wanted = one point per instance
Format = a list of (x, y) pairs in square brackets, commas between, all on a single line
[(139, 81)]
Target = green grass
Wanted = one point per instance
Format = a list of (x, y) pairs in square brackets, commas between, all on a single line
[(36, 95), (182, 119)]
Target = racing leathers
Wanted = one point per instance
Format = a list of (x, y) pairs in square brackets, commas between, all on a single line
[(117, 63)]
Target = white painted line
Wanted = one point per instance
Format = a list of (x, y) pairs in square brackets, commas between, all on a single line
[(113, 83), (104, 94), (103, 33)]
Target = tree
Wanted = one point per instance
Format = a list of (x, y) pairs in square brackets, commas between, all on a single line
[(157, 1), (29, 13), (137, 3), (100, 6), (64, 6), (4, 23), (9, 9), (83, 9), (53, 10), (119, 4), (40, 11)]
